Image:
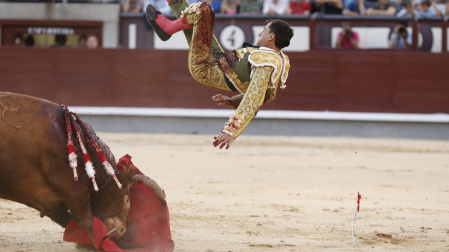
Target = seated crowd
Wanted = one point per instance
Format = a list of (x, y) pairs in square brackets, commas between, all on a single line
[(399, 8), (400, 36)]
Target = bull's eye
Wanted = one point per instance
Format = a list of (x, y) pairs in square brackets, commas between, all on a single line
[(127, 201)]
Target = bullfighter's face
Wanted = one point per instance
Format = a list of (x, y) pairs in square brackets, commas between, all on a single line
[(265, 36)]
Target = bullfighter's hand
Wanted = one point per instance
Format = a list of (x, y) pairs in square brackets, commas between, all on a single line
[(222, 100), (223, 140)]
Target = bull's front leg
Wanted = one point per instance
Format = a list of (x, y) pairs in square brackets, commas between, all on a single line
[(80, 210), (76, 196), (95, 229)]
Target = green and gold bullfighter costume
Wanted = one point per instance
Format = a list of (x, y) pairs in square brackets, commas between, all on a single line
[(254, 72)]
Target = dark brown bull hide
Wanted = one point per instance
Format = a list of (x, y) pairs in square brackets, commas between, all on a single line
[(34, 168)]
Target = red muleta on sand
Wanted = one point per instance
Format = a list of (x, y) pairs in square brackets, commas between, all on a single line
[(147, 225)]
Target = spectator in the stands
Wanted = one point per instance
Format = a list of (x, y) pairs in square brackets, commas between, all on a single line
[(400, 38), (29, 41), (216, 4), (380, 8), (251, 6), (82, 41), (160, 5), (60, 40), (275, 7), (401, 4), (300, 7), (327, 6), (229, 6), (407, 10), (18, 40), (131, 6), (429, 9), (347, 38), (351, 7), (92, 42)]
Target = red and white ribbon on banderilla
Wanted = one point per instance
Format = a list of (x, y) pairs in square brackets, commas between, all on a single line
[(357, 209)]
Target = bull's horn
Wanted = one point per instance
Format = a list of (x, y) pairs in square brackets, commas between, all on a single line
[(142, 179)]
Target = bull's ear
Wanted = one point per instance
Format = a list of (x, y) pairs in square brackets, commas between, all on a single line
[(127, 174)]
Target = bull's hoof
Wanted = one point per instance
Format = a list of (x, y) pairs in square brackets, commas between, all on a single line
[(85, 247), (151, 14)]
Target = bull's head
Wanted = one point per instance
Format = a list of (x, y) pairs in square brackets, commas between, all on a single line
[(111, 205)]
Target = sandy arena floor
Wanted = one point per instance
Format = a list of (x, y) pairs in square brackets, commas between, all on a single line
[(278, 194)]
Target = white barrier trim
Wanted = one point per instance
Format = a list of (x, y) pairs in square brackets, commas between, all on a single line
[(263, 114)]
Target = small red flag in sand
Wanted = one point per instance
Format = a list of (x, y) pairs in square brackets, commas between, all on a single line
[(358, 201), (357, 209)]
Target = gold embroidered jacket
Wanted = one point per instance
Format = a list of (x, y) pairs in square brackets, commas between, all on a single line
[(268, 70)]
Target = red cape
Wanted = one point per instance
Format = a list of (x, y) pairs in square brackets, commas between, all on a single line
[(147, 224)]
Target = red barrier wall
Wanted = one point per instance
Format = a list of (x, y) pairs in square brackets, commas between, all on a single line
[(362, 81)]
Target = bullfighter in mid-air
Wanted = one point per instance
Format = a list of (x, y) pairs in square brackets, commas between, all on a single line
[(253, 71)]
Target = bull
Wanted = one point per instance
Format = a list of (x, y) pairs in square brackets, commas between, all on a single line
[(35, 166)]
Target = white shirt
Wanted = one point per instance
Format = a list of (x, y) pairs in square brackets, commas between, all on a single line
[(279, 6), (160, 5), (403, 13)]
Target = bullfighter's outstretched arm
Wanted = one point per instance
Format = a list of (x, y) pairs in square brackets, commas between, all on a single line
[(249, 105)]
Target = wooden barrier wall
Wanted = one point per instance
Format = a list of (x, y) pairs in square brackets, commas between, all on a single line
[(357, 81)]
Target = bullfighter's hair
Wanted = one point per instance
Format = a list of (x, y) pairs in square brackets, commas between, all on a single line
[(71, 122)]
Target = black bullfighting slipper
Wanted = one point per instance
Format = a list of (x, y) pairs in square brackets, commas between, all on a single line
[(151, 14)]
